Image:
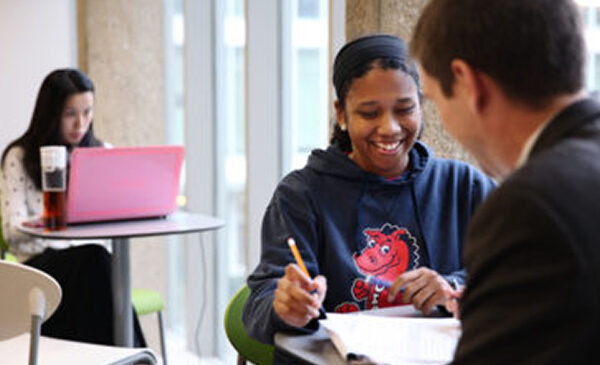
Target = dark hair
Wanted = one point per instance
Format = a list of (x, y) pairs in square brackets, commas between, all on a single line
[(356, 59), (533, 49), (45, 126)]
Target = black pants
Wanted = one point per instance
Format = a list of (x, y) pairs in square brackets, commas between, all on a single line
[(85, 312)]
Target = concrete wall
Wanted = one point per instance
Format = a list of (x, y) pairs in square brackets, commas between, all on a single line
[(399, 17), (121, 47), (124, 56)]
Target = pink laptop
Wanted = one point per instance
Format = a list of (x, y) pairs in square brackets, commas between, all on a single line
[(123, 182)]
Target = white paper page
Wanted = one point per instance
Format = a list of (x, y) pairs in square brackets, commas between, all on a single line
[(394, 340)]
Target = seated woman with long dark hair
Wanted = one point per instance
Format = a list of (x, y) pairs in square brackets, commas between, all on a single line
[(63, 115)]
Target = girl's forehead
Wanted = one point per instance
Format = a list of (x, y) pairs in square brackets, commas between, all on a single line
[(85, 97), (383, 82)]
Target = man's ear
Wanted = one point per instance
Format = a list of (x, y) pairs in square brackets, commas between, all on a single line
[(470, 83), (339, 115)]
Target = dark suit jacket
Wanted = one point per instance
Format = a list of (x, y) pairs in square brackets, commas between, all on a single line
[(533, 254)]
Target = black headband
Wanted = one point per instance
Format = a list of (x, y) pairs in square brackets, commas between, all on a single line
[(362, 50)]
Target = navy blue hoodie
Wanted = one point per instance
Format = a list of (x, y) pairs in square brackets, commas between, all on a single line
[(361, 230)]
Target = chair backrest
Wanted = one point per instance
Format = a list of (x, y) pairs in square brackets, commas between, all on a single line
[(17, 281), (16, 307), (252, 350)]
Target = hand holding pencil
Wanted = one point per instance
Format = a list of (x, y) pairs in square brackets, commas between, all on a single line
[(298, 297)]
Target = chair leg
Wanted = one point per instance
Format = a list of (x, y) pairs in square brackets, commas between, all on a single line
[(163, 344), (34, 339)]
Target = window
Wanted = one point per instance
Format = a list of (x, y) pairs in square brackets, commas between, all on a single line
[(591, 19), (256, 103), (230, 47), (309, 8), (596, 83), (175, 131), (305, 80), (311, 108)]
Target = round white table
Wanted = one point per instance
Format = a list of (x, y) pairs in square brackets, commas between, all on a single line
[(119, 232)]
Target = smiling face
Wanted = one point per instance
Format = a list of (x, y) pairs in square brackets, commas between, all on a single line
[(76, 117), (383, 117)]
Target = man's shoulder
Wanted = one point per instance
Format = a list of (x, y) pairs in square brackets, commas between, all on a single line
[(573, 160), (558, 185)]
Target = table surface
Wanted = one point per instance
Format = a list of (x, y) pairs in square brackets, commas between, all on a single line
[(176, 223)]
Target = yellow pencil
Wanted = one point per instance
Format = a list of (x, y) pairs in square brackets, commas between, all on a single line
[(300, 263), (297, 256)]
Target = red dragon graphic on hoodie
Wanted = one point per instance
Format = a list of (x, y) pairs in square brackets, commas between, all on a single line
[(385, 257)]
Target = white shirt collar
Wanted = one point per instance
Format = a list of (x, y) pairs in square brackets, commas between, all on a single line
[(529, 144)]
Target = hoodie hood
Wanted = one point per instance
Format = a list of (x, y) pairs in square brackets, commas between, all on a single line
[(336, 163)]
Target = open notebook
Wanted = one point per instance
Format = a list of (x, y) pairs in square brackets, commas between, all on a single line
[(393, 339)]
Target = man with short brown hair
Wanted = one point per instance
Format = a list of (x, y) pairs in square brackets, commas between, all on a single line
[(507, 77)]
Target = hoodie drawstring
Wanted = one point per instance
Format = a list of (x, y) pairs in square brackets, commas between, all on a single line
[(413, 195)]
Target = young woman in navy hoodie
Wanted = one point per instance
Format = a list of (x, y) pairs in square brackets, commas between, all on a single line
[(374, 210)]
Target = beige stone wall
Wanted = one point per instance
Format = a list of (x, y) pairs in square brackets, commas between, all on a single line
[(121, 48), (124, 42), (399, 17)]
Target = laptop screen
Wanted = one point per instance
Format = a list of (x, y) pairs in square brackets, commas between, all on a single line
[(123, 182)]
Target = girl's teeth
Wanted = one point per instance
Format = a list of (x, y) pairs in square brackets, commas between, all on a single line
[(387, 146)]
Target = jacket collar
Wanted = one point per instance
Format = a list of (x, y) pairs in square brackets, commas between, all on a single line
[(570, 118)]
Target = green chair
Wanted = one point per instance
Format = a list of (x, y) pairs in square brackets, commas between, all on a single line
[(150, 301), (144, 301), (247, 348)]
